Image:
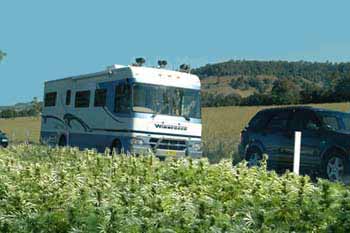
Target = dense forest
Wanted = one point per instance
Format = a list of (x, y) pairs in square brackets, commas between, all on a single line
[(273, 82)]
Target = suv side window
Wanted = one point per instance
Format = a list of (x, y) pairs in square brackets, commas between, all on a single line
[(304, 120), (279, 120)]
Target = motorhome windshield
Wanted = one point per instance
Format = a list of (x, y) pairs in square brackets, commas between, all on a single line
[(164, 100)]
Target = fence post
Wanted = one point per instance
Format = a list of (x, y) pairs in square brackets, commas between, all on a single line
[(13, 136), (297, 145), (27, 137)]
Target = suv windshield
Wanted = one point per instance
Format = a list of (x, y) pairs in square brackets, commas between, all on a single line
[(164, 100), (335, 120)]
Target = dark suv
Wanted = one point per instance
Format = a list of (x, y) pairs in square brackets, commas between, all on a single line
[(3, 140), (325, 143)]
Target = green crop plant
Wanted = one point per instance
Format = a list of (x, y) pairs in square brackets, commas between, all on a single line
[(45, 189)]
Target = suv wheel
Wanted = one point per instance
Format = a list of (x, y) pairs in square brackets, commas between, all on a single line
[(254, 157), (335, 168)]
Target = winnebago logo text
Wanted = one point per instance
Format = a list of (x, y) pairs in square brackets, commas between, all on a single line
[(174, 127)]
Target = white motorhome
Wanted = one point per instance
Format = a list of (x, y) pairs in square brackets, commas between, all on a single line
[(126, 108)]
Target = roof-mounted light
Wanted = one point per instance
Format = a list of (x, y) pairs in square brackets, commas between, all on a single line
[(162, 63), (139, 61), (185, 68)]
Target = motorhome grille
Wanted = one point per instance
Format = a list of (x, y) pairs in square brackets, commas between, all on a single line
[(166, 144)]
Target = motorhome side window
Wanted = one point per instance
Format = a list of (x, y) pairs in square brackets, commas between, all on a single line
[(100, 97), (122, 98), (82, 99), (68, 97), (50, 99)]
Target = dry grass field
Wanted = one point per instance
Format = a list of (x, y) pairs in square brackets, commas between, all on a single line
[(221, 127), (21, 129)]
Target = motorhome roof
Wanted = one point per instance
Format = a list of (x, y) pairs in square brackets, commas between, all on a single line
[(136, 71)]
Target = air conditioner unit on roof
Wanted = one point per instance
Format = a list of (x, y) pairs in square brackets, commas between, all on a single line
[(115, 66)]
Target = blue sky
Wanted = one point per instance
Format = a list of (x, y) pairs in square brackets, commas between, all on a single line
[(47, 40)]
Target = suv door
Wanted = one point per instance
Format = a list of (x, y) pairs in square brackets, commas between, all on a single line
[(309, 125), (277, 140)]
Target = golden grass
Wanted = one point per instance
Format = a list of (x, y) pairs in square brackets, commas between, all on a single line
[(21, 129), (221, 127), (227, 122)]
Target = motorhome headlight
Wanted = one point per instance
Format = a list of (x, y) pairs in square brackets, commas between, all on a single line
[(197, 146), (137, 141)]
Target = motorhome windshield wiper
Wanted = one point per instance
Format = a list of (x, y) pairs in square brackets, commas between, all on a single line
[(187, 118), (155, 114)]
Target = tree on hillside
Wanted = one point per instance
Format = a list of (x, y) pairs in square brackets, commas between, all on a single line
[(285, 92), (312, 93), (341, 89), (2, 55), (8, 113), (36, 106)]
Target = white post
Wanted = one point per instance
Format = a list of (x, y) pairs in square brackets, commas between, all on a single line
[(27, 136), (297, 145)]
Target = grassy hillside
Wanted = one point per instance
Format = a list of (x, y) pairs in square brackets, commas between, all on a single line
[(244, 78), (17, 107), (65, 190), (225, 85)]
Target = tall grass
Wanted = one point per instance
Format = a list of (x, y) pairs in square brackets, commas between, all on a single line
[(221, 128), (21, 129)]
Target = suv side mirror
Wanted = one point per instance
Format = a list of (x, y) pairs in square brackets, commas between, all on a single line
[(327, 127), (312, 126)]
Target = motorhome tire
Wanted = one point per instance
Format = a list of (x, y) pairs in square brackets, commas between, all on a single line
[(62, 141), (117, 147)]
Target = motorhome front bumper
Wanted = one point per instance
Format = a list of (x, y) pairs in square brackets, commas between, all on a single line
[(163, 148)]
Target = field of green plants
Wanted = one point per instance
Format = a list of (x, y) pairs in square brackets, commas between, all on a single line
[(47, 190)]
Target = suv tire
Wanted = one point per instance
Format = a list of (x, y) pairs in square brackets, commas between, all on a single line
[(335, 168), (253, 157)]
